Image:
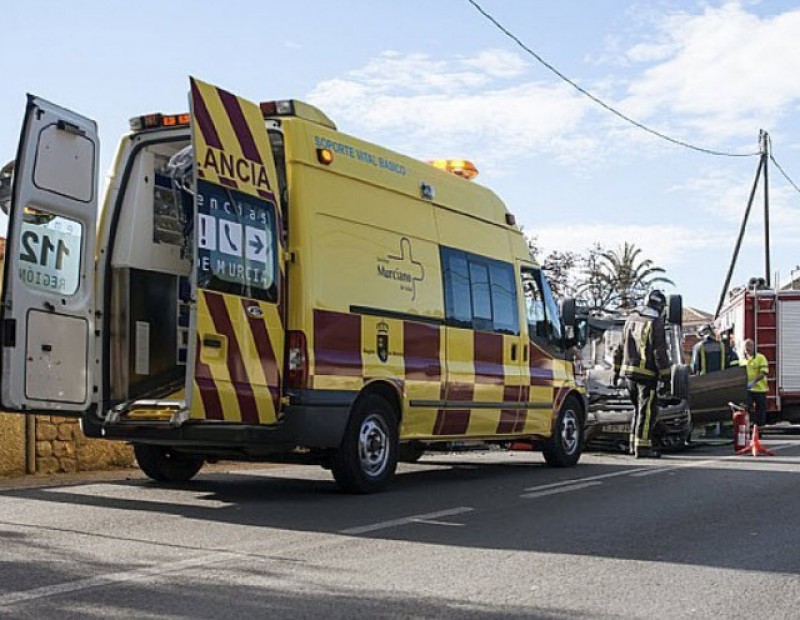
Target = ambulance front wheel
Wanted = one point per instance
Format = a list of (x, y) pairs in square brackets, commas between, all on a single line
[(163, 464), (563, 448), (367, 457)]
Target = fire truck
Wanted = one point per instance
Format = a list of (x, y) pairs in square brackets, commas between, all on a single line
[(771, 319)]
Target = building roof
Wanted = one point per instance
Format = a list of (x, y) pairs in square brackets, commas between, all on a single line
[(695, 317)]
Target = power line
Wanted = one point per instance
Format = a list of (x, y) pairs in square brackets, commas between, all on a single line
[(598, 101), (783, 172)]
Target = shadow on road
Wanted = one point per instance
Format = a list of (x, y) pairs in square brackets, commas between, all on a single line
[(684, 515)]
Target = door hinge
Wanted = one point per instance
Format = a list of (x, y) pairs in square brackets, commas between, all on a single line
[(9, 332)]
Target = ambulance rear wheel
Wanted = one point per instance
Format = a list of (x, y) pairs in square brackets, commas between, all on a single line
[(563, 448), (163, 464), (367, 458)]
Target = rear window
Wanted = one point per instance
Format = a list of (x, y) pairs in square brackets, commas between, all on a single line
[(236, 243)]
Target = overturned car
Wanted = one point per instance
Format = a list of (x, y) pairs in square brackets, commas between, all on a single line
[(608, 422)]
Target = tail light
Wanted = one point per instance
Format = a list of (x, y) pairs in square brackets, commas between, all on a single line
[(296, 361)]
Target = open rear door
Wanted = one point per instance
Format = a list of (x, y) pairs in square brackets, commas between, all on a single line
[(238, 281), (48, 282)]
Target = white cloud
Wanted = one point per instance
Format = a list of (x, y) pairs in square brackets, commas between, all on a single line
[(457, 107), (497, 63), (723, 72), (667, 245)]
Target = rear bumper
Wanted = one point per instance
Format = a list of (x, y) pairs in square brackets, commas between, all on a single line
[(313, 419)]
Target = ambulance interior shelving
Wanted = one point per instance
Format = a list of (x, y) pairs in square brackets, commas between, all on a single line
[(149, 309)]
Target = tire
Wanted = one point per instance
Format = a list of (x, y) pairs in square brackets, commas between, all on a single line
[(367, 457), (410, 452), (679, 381), (564, 447), (163, 464)]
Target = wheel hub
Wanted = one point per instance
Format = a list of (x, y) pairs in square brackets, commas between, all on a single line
[(373, 445), (570, 432)]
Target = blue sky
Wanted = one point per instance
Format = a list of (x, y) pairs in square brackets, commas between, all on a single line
[(435, 79)]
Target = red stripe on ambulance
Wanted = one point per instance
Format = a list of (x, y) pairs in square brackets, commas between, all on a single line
[(238, 373), (207, 388)]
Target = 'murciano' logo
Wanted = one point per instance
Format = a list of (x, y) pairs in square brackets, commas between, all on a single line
[(402, 268)]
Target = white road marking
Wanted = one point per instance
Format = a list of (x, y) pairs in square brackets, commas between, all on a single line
[(363, 529), (563, 489), (140, 495), (103, 580), (571, 481)]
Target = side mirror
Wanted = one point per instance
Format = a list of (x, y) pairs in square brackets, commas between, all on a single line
[(675, 309), (6, 186), (568, 312)]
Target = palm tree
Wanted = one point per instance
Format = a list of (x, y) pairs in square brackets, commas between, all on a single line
[(626, 277)]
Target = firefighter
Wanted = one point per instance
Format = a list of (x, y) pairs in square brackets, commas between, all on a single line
[(710, 354), (645, 362), (757, 386)]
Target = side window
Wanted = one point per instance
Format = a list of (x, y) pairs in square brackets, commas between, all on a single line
[(458, 306), (504, 298), (553, 317), (480, 293), (534, 304), (481, 298)]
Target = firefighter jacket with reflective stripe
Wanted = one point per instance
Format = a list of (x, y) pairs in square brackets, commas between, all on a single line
[(710, 355), (644, 347)]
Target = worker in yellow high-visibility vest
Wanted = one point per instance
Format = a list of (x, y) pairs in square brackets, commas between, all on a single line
[(757, 386)]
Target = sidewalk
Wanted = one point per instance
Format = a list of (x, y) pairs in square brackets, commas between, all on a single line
[(118, 474)]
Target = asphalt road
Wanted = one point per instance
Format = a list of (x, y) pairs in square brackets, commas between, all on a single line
[(702, 534)]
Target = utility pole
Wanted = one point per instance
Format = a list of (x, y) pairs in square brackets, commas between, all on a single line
[(738, 245), (765, 144)]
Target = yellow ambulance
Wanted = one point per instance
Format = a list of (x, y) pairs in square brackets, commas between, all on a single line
[(261, 286)]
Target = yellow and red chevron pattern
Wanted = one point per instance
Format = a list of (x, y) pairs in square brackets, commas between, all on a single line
[(239, 343), (479, 391), (237, 370), (230, 141)]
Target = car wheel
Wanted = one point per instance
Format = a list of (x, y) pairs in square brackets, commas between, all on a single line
[(679, 381), (163, 464), (367, 457), (564, 447)]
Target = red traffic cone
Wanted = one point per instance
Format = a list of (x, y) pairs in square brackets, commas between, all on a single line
[(755, 446)]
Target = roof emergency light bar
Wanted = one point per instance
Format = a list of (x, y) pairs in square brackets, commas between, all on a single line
[(159, 121), (287, 107), (459, 167), (296, 109)]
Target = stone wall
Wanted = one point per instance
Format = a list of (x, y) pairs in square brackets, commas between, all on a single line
[(62, 447), (12, 444)]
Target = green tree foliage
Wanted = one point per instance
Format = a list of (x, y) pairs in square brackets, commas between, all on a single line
[(628, 276), (600, 279)]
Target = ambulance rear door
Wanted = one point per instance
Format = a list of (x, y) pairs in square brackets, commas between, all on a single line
[(238, 283), (48, 283)]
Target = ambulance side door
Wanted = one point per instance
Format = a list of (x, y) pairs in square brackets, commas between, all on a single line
[(48, 283)]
